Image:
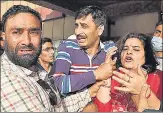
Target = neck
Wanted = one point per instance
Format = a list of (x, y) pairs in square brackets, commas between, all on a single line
[(45, 65), (158, 54), (33, 68), (94, 49)]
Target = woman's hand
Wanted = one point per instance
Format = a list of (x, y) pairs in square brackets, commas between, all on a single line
[(132, 82), (143, 102), (105, 70)]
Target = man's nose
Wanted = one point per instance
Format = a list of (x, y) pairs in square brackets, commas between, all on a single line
[(78, 31), (26, 38)]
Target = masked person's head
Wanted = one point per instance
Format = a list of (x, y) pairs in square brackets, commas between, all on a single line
[(157, 37), (22, 31)]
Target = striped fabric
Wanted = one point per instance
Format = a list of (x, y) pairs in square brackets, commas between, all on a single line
[(76, 69), (73, 73), (63, 56), (20, 92)]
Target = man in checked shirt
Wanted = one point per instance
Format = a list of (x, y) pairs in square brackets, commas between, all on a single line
[(22, 89)]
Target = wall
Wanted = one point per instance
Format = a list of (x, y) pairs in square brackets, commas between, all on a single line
[(5, 5), (54, 28), (144, 23)]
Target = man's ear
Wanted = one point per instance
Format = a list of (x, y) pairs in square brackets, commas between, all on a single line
[(3, 35), (101, 30)]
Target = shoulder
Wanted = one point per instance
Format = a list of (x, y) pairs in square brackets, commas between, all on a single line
[(70, 44), (156, 72), (155, 78)]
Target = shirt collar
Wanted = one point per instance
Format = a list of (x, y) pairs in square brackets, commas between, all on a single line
[(25, 70)]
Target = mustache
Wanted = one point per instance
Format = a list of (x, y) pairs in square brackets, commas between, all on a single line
[(29, 46), (82, 35)]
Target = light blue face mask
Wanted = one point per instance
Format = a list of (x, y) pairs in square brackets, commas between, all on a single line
[(157, 43)]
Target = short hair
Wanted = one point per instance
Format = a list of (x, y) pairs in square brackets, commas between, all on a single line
[(19, 9), (150, 59), (159, 23), (97, 13), (45, 39)]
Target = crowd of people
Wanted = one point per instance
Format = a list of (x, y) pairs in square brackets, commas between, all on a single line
[(84, 77)]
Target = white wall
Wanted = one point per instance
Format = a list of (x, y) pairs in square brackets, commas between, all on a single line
[(54, 28), (144, 23)]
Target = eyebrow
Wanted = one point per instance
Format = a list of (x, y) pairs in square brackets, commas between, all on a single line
[(158, 31), (31, 29), (83, 24), (132, 46), (34, 29), (16, 29)]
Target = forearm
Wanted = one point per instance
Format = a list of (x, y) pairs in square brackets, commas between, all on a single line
[(135, 99), (72, 83), (153, 102), (103, 93)]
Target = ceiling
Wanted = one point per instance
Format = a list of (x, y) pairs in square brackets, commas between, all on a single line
[(114, 8)]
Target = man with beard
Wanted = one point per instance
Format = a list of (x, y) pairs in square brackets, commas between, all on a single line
[(79, 62), (22, 90)]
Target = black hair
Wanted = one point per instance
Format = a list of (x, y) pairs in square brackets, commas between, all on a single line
[(45, 39), (159, 23), (97, 14), (19, 9), (150, 59)]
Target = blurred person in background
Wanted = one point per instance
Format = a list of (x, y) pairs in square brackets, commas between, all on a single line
[(157, 43), (46, 58)]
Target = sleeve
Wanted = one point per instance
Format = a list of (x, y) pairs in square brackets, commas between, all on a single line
[(160, 86), (76, 102), (17, 96), (155, 82), (103, 107), (65, 82)]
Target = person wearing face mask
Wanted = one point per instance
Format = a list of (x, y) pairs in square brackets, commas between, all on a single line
[(157, 43)]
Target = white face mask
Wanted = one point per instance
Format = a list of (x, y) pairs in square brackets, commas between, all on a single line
[(157, 43)]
